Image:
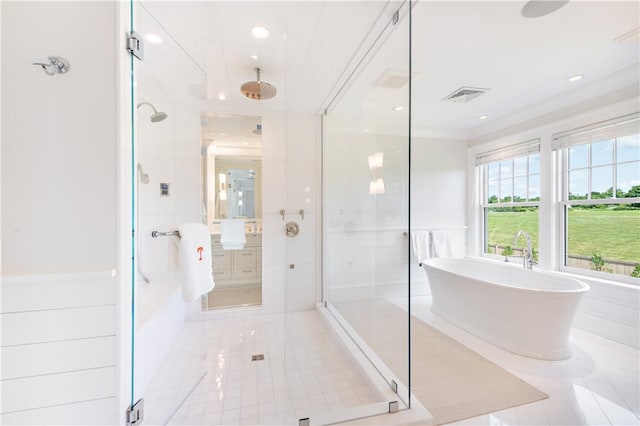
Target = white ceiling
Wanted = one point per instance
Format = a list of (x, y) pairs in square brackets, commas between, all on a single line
[(525, 62)]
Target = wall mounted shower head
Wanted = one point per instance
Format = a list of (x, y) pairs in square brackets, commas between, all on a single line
[(156, 116)]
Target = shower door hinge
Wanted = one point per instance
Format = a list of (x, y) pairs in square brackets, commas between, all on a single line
[(394, 386), (135, 413), (135, 45)]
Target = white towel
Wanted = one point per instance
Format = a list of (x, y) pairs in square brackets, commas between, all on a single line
[(196, 269), (420, 245), (232, 235), (441, 244)]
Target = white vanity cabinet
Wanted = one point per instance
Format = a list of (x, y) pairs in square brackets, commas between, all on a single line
[(234, 268)]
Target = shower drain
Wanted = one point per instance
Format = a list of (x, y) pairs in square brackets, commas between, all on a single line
[(258, 357)]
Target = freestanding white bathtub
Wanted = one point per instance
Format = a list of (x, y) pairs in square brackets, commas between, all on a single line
[(524, 311)]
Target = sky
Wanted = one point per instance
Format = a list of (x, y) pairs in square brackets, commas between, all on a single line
[(602, 170), (623, 152)]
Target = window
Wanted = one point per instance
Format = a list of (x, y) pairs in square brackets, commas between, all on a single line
[(511, 195), (601, 196)]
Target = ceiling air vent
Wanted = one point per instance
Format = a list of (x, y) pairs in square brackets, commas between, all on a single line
[(465, 94)]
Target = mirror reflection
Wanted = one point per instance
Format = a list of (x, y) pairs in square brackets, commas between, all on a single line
[(232, 185), (237, 183)]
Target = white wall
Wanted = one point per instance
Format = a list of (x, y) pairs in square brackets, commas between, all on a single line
[(365, 245), (438, 194), (290, 172), (169, 152), (59, 210), (58, 138), (611, 308)]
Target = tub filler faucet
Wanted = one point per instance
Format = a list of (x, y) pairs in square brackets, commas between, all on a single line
[(527, 258)]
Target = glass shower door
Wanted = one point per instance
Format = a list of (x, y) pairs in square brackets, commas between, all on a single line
[(366, 206), (169, 334)]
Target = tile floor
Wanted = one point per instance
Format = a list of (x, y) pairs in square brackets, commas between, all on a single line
[(599, 385), (305, 371), (221, 297)]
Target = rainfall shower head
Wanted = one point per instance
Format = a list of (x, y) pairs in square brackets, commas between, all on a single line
[(258, 90), (156, 116)]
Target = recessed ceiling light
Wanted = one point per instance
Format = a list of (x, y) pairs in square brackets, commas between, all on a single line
[(222, 96), (245, 143), (483, 117), (398, 108), (575, 77), (153, 38), (260, 32), (254, 57)]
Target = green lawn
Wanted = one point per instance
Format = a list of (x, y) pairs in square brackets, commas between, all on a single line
[(613, 234)]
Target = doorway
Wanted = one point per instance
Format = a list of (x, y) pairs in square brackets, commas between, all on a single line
[(232, 185)]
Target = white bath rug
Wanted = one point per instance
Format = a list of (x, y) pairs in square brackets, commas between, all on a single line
[(452, 381)]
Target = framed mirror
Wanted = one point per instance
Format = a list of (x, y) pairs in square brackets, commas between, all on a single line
[(238, 184)]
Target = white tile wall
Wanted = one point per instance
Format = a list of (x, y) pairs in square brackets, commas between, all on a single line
[(364, 241), (290, 167), (169, 152)]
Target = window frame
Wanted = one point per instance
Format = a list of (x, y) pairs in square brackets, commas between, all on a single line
[(512, 152), (563, 203)]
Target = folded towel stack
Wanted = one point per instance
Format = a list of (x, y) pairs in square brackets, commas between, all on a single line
[(232, 236)]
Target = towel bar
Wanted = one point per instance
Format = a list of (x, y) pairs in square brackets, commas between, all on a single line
[(156, 234)]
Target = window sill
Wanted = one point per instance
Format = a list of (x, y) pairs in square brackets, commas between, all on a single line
[(601, 277)]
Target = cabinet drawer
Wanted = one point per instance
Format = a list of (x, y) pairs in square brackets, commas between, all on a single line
[(246, 257), (241, 273), (221, 274), (221, 260)]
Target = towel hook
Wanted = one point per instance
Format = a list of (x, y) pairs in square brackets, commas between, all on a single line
[(56, 65)]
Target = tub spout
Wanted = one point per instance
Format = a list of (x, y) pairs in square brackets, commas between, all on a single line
[(527, 258)]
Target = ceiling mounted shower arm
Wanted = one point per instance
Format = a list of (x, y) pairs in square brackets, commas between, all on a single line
[(56, 65)]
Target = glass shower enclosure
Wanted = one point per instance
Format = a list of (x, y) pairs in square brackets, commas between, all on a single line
[(365, 209), (366, 151), (169, 333)]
